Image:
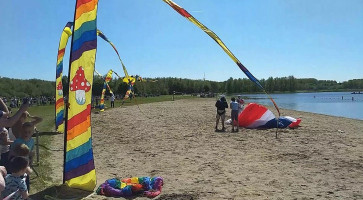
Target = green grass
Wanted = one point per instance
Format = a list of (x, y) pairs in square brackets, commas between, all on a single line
[(48, 125), (143, 100)]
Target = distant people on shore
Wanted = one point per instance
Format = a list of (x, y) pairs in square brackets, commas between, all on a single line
[(221, 105), (234, 113), (112, 101)]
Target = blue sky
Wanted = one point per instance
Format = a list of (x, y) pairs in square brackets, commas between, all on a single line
[(320, 39)]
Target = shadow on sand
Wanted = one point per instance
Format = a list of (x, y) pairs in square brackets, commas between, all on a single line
[(60, 193)]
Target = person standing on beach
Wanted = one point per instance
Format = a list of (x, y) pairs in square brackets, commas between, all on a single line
[(112, 101), (221, 105), (234, 113)]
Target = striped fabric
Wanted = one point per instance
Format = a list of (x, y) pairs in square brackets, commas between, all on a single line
[(211, 34), (79, 168), (256, 116), (59, 105), (103, 36), (105, 86)]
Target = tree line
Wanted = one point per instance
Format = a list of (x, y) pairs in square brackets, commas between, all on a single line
[(162, 86)]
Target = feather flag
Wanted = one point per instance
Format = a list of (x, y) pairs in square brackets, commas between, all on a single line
[(59, 108), (101, 35), (59, 104), (79, 169), (105, 86), (127, 77), (211, 34)]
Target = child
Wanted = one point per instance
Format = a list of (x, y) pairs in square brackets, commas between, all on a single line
[(14, 182), (17, 128), (5, 143), (234, 113), (26, 136), (20, 150)]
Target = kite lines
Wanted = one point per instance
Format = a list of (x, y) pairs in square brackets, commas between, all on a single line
[(211, 34)]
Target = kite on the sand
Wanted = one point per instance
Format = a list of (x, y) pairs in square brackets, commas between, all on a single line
[(150, 187), (256, 116)]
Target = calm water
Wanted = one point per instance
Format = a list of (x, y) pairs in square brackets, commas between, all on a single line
[(329, 103)]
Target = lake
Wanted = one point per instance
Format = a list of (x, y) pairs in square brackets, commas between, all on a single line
[(343, 104)]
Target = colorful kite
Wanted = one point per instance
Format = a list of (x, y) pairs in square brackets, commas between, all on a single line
[(150, 187), (211, 34), (129, 80), (79, 169), (105, 86), (59, 105), (256, 116)]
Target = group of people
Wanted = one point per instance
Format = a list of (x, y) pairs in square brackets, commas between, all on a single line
[(236, 106), (95, 101), (15, 102), (16, 146)]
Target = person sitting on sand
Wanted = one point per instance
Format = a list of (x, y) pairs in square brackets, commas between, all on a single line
[(221, 105), (234, 113)]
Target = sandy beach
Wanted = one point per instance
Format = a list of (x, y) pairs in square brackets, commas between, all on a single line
[(176, 140)]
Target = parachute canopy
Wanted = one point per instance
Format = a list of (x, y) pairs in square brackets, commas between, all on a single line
[(256, 116)]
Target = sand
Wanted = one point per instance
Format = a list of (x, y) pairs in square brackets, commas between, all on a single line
[(176, 140)]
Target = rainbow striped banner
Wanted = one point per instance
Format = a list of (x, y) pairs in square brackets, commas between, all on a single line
[(105, 86), (79, 169), (59, 104)]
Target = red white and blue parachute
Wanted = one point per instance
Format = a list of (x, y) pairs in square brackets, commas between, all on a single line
[(256, 116)]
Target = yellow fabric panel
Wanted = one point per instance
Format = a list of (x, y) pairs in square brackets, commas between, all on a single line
[(61, 128), (134, 180), (87, 59), (214, 36), (85, 182)]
